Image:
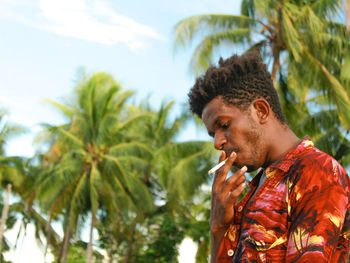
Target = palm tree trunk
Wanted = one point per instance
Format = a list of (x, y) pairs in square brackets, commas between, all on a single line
[(276, 50), (89, 249), (62, 258), (18, 236), (111, 259), (5, 211), (127, 255), (276, 66), (48, 236)]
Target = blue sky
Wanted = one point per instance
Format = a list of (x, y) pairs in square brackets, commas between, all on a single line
[(45, 42)]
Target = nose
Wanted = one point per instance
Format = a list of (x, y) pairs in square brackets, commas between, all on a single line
[(219, 141)]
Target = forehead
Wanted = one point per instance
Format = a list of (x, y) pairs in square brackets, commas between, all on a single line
[(216, 109)]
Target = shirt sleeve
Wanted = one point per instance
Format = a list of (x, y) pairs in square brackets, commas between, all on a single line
[(317, 202)]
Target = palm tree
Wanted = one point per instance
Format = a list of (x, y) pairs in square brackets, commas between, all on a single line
[(11, 168), (11, 172), (323, 126), (177, 168), (89, 167), (178, 171), (16, 173), (174, 176), (293, 37)]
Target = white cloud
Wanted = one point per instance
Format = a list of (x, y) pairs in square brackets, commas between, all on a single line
[(94, 21), (89, 20)]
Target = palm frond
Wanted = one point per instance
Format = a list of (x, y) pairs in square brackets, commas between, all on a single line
[(292, 37), (131, 149), (248, 8), (117, 178), (257, 47), (187, 176), (121, 99), (64, 109), (175, 163), (71, 138), (77, 199), (134, 120), (315, 123), (264, 8), (188, 29), (202, 57), (325, 8), (345, 73), (341, 97), (141, 195)]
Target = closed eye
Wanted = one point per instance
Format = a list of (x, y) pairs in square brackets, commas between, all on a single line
[(225, 125)]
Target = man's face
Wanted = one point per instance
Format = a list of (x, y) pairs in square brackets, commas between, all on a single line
[(235, 130)]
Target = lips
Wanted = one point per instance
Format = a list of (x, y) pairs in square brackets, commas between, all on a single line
[(229, 151)]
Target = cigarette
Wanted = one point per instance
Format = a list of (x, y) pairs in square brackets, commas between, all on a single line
[(217, 167)]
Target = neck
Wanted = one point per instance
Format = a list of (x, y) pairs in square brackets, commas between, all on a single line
[(281, 140)]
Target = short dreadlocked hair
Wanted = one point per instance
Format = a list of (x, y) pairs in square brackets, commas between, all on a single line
[(239, 80)]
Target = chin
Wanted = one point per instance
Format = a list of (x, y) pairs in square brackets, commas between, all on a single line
[(251, 167)]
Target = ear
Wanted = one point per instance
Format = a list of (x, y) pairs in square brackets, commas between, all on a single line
[(263, 110)]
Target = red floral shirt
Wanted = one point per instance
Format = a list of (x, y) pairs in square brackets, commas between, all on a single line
[(301, 213)]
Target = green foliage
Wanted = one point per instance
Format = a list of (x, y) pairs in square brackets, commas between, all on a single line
[(11, 167), (323, 126), (196, 224), (76, 253), (163, 241)]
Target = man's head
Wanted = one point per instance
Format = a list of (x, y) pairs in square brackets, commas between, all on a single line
[(240, 108), (239, 80)]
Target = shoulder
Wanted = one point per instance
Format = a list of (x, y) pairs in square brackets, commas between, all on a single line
[(317, 167)]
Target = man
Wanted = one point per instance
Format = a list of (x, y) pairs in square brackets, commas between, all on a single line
[(297, 208)]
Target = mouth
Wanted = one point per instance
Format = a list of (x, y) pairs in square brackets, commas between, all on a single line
[(229, 151)]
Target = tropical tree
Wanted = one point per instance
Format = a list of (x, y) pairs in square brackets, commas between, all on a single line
[(174, 177), (11, 168), (90, 166), (293, 37), (178, 168), (323, 125), (177, 177)]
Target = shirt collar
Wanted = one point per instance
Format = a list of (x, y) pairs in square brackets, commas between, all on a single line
[(287, 160), (255, 181)]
